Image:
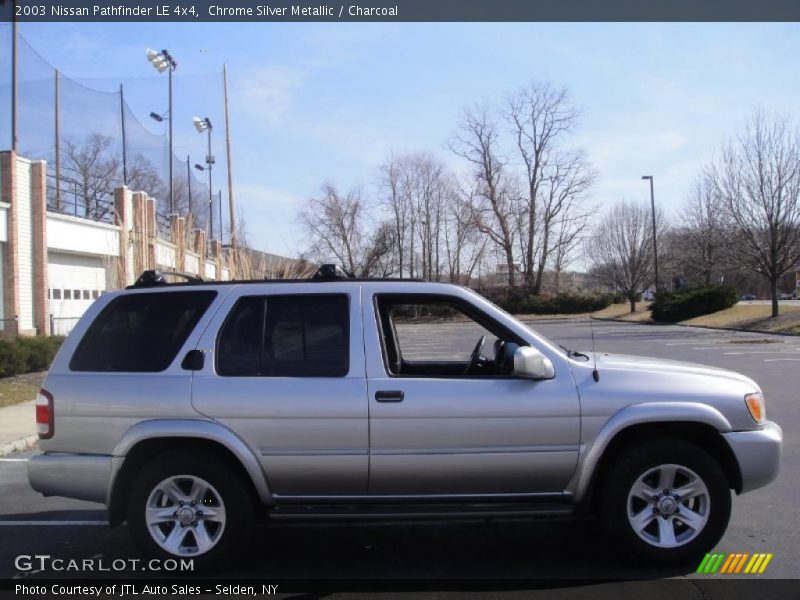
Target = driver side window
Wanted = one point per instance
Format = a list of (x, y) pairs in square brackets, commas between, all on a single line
[(438, 337)]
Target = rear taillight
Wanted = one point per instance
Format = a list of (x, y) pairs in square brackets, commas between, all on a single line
[(44, 414)]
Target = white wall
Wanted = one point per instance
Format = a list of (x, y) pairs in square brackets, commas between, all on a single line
[(74, 234)]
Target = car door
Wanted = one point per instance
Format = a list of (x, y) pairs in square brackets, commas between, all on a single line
[(284, 370), (436, 430)]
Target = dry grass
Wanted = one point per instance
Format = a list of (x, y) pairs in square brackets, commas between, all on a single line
[(755, 317), (623, 312), (540, 317), (14, 390)]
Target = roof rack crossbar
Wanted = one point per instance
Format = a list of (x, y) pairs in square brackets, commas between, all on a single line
[(154, 277)]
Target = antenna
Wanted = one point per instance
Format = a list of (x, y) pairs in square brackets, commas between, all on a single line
[(595, 372)]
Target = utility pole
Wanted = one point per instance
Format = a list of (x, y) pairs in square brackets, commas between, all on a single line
[(14, 83), (58, 138), (231, 201), (122, 122), (655, 238), (189, 180)]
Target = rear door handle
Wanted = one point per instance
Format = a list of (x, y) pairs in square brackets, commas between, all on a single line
[(389, 396)]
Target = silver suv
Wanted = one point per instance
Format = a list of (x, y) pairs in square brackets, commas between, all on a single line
[(191, 408)]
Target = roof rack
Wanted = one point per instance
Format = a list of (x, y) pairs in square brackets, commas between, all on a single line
[(153, 278), (331, 271), (326, 272)]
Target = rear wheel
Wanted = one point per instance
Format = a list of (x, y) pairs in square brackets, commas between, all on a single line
[(667, 501), (189, 505)]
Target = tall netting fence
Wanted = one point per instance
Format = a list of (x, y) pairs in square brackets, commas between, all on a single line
[(100, 133)]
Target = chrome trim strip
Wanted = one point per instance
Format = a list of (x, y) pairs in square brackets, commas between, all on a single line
[(406, 451), (477, 450), (313, 451)]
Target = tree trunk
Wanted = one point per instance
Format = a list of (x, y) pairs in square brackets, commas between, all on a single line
[(510, 263), (773, 290), (632, 300)]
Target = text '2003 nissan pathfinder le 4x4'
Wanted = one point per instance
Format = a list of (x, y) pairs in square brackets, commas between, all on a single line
[(190, 408)]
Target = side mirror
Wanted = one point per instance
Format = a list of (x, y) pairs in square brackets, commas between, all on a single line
[(529, 363)]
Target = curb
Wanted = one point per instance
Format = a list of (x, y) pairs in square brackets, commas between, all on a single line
[(737, 329), (19, 445)]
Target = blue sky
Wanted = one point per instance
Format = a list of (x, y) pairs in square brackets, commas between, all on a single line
[(316, 102)]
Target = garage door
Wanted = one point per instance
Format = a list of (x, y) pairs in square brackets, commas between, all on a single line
[(75, 281)]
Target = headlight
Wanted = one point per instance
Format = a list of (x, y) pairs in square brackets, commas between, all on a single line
[(755, 404)]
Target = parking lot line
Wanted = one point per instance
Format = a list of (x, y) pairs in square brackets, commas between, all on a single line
[(763, 352)]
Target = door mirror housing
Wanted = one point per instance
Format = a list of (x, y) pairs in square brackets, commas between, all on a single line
[(529, 363)]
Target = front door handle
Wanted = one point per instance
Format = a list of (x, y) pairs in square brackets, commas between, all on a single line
[(389, 396)]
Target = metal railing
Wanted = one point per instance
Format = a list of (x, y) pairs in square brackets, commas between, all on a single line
[(69, 196), (62, 325)]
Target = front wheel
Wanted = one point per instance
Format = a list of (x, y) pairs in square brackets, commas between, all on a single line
[(667, 501), (189, 505)]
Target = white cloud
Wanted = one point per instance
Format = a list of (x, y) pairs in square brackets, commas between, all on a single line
[(267, 93)]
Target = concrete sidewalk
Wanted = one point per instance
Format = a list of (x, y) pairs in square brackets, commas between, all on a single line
[(17, 427)]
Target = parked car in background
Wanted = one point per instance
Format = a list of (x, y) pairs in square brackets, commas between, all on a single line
[(648, 295), (190, 409), (786, 297), (747, 297)]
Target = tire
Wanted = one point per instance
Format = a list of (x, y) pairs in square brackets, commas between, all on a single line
[(647, 524), (206, 531)]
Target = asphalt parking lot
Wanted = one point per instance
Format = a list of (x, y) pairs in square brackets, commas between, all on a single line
[(762, 521)]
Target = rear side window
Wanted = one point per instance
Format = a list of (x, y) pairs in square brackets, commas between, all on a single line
[(140, 333), (285, 336)]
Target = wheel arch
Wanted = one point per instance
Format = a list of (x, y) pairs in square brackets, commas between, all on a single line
[(700, 424), (149, 439)]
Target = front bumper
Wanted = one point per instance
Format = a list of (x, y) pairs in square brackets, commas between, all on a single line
[(758, 454), (80, 476)]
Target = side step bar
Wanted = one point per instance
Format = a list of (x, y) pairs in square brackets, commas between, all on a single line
[(412, 512)]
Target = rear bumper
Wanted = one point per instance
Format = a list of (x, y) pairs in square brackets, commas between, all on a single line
[(80, 476), (758, 454)]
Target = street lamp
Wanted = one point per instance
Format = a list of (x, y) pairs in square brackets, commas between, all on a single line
[(655, 239), (163, 61), (205, 125)]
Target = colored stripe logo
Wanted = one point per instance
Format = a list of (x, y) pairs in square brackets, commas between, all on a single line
[(735, 563)]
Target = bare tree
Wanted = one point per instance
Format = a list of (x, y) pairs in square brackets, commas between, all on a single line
[(394, 185), (541, 117), (570, 232), (622, 249), (702, 235), (93, 168), (464, 244), (495, 201), (144, 177), (562, 212), (757, 177), (337, 226)]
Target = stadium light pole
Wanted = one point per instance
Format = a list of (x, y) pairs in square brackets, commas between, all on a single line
[(189, 181), (655, 239), (210, 207), (163, 61), (205, 125)]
